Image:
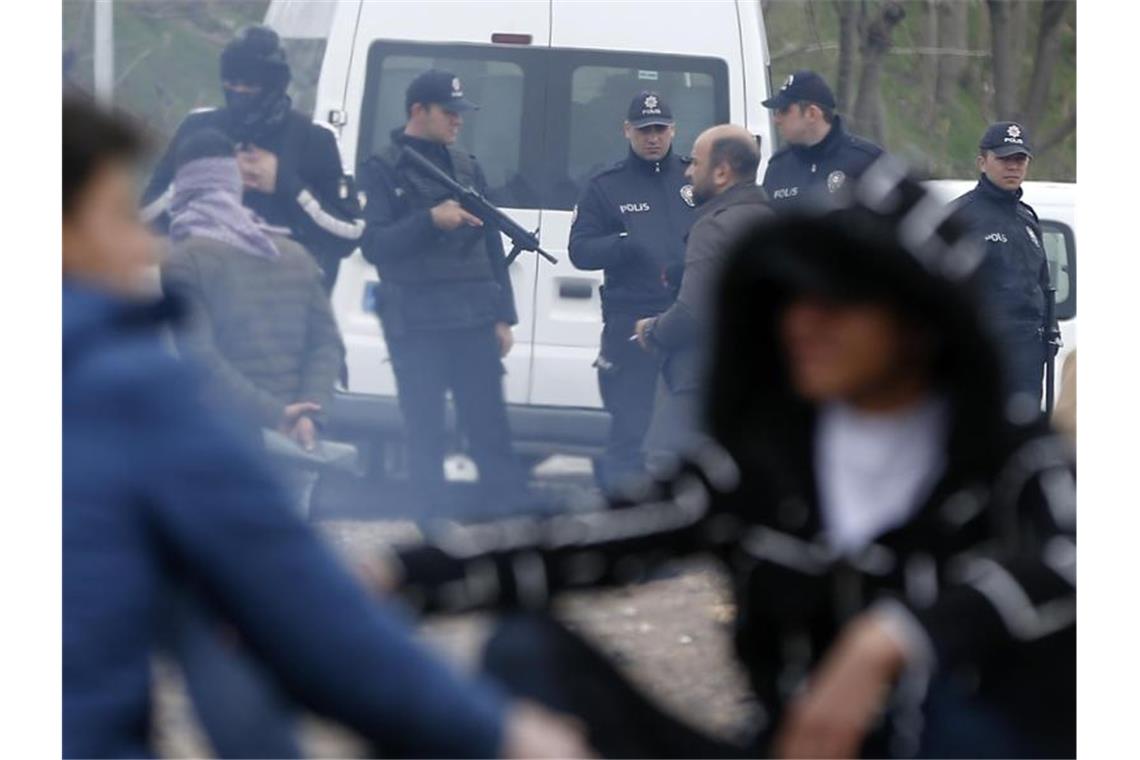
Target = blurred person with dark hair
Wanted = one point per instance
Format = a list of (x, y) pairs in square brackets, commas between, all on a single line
[(259, 320), (1015, 271), (631, 223), (290, 166), (160, 493), (445, 300), (903, 557), (722, 171), (819, 155)]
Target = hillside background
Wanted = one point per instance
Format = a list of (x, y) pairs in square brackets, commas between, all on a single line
[(922, 76)]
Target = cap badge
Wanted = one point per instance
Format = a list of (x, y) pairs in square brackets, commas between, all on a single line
[(788, 82), (835, 180), (456, 88), (650, 101), (687, 195), (1013, 131)]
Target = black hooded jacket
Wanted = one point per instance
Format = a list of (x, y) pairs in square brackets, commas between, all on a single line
[(985, 566), (314, 199)]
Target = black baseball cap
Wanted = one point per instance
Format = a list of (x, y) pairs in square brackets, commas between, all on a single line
[(439, 87), (1005, 138), (649, 108), (802, 85)]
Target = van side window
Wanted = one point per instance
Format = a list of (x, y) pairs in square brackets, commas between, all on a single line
[(549, 118), (1061, 252), (493, 78)]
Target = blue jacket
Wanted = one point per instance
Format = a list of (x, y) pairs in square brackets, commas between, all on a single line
[(631, 222), (157, 491), (1015, 273), (796, 171)]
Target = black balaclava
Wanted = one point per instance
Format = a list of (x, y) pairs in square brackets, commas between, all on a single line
[(256, 58)]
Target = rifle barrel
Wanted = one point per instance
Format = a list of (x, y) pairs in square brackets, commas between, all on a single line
[(482, 208)]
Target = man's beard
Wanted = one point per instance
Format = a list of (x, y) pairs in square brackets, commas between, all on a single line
[(703, 193)]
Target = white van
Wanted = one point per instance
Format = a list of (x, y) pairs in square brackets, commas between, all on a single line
[(554, 80)]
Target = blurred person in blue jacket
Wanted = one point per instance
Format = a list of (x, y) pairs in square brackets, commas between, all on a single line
[(158, 493)]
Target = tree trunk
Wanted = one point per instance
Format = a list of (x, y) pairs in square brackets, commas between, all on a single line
[(952, 30), (928, 71), (1003, 60), (1053, 13), (868, 115), (848, 42)]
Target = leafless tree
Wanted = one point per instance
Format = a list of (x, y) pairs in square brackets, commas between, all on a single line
[(848, 13), (868, 113), (952, 34), (1004, 60), (1045, 59)]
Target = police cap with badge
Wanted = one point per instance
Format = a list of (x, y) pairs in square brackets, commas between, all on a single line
[(1005, 138), (800, 87), (438, 87), (649, 109)]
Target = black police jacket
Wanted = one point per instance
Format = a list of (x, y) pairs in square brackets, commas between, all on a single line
[(431, 278), (314, 199), (795, 171), (631, 222), (1014, 276)]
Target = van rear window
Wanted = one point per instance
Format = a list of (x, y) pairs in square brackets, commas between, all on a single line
[(549, 118)]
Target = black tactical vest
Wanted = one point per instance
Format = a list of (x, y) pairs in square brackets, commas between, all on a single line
[(460, 254)]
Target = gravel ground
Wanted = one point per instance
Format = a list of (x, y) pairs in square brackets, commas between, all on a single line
[(670, 636)]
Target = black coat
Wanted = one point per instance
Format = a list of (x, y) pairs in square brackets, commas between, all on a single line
[(631, 222), (431, 279), (794, 172), (314, 199), (1015, 272)]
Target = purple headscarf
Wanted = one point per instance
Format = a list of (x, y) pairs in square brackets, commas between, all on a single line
[(207, 203)]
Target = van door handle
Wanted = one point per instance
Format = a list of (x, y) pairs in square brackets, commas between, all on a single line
[(576, 288)]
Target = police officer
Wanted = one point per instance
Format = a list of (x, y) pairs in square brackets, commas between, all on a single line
[(631, 222), (819, 154), (1015, 273), (290, 166), (445, 299)]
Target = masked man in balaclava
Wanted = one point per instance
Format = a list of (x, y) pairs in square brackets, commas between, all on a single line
[(290, 166)]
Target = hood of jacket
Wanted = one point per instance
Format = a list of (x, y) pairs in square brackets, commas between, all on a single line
[(884, 240)]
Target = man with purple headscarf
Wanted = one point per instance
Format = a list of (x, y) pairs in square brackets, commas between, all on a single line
[(259, 320)]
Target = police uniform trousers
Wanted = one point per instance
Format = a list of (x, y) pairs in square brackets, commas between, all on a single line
[(627, 381), (466, 361), (1023, 363)]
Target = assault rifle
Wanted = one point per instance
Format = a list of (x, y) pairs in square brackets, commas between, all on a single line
[(474, 202)]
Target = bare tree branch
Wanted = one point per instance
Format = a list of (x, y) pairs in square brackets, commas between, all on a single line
[(1058, 135), (1045, 62), (848, 42)]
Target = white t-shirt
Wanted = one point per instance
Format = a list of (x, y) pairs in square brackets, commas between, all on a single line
[(874, 470)]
